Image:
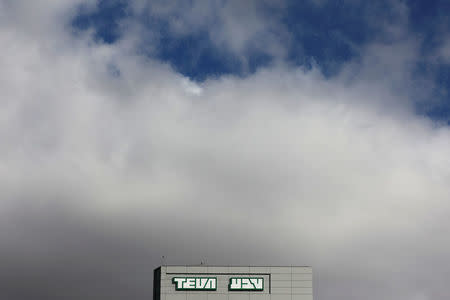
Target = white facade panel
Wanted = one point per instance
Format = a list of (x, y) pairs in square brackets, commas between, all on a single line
[(175, 269), (197, 296), (281, 270), (259, 269), (233, 283), (304, 276), (302, 297), (282, 276), (302, 284), (217, 296), (302, 270), (260, 297), (218, 269)]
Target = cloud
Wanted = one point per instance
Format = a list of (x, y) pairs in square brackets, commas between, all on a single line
[(216, 37), (236, 25), (110, 160)]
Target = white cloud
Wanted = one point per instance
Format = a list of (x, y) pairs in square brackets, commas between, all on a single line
[(239, 27), (300, 169)]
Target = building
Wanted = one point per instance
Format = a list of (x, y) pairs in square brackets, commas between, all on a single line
[(204, 282)]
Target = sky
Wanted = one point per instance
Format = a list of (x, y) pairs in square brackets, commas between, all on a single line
[(255, 132)]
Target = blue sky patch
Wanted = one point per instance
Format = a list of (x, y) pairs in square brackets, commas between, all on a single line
[(327, 34), (104, 20)]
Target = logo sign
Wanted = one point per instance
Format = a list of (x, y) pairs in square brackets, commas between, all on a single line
[(246, 284), (195, 283)]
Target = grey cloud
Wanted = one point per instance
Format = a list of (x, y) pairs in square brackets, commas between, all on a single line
[(236, 26)]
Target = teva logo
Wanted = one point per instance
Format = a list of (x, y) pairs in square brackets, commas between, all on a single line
[(246, 284), (195, 283)]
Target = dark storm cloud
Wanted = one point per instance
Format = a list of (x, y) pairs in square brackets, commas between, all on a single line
[(51, 252), (110, 160)]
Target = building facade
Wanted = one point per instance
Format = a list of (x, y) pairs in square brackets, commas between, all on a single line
[(232, 283)]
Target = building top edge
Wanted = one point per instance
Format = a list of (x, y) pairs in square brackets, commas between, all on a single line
[(232, 266)]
